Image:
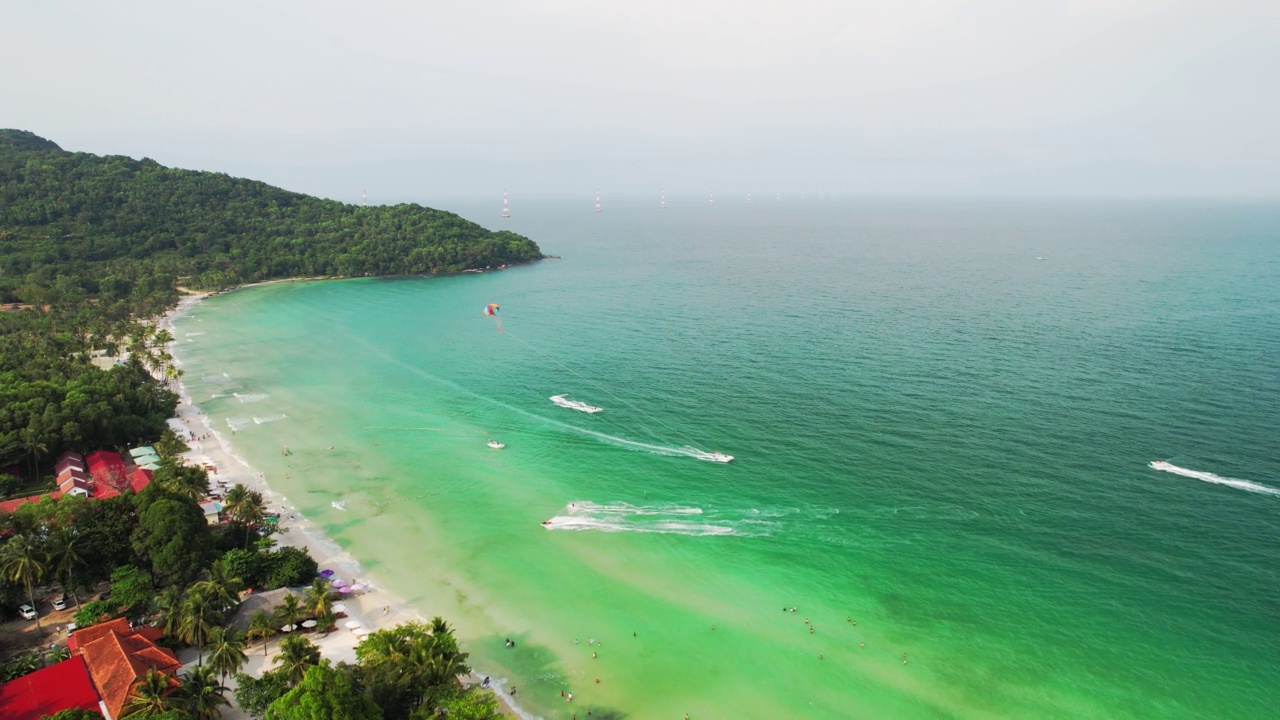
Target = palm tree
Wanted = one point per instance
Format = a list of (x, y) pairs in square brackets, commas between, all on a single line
[(150, 696), (295, 656), (234, 498), (252, 512), (289, 611), (21, 560), (201, 694), (219, 573), (170, 606), (220, 595), (261, 625), (200, 614), (65, 558), (317, 598), (226, 650)]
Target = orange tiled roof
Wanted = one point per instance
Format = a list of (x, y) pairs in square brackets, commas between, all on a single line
[(118, 657)]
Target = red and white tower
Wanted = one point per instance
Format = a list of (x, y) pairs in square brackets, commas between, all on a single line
[(364, 198), (506, 211), (597, 201)]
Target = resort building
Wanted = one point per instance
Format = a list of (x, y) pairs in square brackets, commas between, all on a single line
[(62, 686), (118, 656)]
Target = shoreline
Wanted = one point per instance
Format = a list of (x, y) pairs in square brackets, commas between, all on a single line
[(376, 608)]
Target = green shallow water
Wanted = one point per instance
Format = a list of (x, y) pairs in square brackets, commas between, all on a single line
[(937, 435)]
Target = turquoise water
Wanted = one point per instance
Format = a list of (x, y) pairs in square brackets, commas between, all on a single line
[(937, 435)]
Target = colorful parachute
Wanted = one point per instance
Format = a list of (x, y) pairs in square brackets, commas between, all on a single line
[(491, 310)]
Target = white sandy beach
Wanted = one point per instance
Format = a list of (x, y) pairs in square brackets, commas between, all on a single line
[(374, 608)]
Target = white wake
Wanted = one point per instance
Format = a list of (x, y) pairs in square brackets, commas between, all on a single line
[(1215, 479)]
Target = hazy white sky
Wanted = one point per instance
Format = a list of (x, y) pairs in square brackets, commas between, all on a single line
[(428, 100)]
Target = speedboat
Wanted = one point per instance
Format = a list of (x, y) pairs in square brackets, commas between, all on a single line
[(496, 445), (720, 457), (574, 404)]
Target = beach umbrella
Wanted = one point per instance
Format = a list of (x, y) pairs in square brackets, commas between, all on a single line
[(339, 583), (353, 624), (326, 573), (361, 632), (345, 590), (338, 607), (308, 623), (286, 628)]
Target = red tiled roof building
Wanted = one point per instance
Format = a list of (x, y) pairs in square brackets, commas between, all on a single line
[(61, 686), (118, 656)]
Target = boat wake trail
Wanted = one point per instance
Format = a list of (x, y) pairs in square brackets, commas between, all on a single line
[(661, 519), (1215, 479)]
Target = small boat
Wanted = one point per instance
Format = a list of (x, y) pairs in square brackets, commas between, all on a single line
[(574, 404), (720, 457), (496, 445)]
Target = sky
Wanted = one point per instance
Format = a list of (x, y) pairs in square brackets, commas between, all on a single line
[(420, 101)]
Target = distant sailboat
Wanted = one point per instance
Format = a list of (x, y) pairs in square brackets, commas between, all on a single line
[(597, 201), (506, 211), (662, 204), (712, 201), (748, 197)]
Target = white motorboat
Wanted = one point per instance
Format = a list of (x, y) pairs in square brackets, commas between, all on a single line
[(496, 445), (574, 404), (720, 457)]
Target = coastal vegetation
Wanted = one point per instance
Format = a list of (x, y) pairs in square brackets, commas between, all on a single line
[(91, 250), (92, 246)]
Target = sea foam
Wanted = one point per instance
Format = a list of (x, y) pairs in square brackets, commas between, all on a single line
[(1215, 479)]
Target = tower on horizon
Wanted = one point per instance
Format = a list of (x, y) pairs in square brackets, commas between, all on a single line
[(662, 204), (712, 200), (748, 197), (597, 201), (506, 211), (364, 198)]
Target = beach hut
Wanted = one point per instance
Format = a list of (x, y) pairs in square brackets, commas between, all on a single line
[(212, 511), (142, 450)]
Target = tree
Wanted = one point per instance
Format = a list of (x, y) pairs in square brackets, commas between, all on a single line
[(290, 611), (131, 591), (173, 536), (409, 665), (226, 650), (169, 605), (150, 697), (473, 704), (200, 694), (295, 656), (183, 480), (317, 598), (290, 566), (200, 615), (261, 625), (255, 695), (324, 694), (73, 714), (94, 612), (22, 560), (65, 558)]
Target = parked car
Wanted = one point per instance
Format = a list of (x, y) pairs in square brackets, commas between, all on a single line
[(27, 612), (60, 603)]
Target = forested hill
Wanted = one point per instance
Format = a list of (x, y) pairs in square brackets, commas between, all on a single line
[(94, 247), (98, 217)]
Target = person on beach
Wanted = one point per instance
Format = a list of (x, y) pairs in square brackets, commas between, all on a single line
[(513, 691), (593, 656)]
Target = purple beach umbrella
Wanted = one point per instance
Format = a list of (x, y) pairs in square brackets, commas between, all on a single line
[(326, 573)]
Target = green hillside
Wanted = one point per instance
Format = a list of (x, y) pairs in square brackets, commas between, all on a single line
[(91, 246)]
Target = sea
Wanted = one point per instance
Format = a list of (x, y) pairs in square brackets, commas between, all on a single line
[(943, 415)]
